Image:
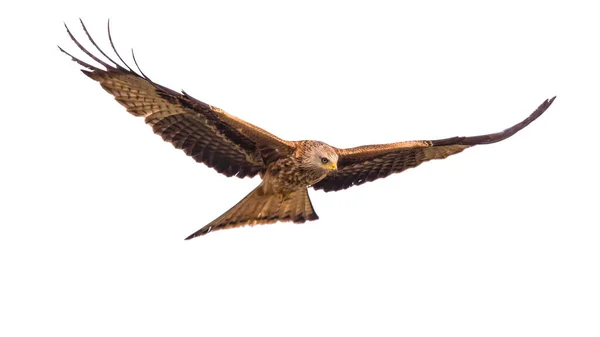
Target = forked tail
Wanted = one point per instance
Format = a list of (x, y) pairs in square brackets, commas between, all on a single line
[(257, 208)]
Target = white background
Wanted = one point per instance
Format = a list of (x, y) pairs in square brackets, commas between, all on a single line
[(501, 240)]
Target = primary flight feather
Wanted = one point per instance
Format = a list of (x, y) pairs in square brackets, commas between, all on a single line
[(235, 147)]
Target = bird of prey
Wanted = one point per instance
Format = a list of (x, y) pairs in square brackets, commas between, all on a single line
[(234, 147)]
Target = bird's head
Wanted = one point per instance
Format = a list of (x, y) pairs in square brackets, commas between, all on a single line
[(322, 156)]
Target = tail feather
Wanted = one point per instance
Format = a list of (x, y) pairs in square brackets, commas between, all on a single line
[(258, 208)]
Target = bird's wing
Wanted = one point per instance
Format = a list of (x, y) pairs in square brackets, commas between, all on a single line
[(362, 164), (206, 133)]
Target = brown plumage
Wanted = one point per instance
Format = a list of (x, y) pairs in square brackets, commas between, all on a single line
[(234, 147)]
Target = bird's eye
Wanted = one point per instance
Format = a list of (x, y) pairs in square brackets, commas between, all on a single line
[(324, 160)]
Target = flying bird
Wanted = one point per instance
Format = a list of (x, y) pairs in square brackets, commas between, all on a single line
[(234, 147)]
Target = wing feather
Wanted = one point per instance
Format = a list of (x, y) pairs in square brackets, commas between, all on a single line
[(208, 134), (362, 164)]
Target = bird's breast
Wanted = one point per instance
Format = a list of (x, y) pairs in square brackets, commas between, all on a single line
[(287, 175)]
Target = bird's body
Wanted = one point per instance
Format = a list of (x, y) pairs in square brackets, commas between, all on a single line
[(234, 147), (302, 169), (283, 193)]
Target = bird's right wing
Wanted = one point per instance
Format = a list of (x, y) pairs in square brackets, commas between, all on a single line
[(206, 133), (362, 164)]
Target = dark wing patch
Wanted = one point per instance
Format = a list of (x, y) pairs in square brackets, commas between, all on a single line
[(206, 133), (362, 164)]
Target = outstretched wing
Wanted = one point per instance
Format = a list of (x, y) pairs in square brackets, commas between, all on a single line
[(206, 133), (362, 164)]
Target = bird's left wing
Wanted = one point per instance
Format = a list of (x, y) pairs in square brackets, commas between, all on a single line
[(207, 134), (362, 164)]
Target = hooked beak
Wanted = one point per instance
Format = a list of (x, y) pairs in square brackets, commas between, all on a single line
[(333, 167)]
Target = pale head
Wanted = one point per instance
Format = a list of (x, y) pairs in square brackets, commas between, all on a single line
[(319, 156)]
